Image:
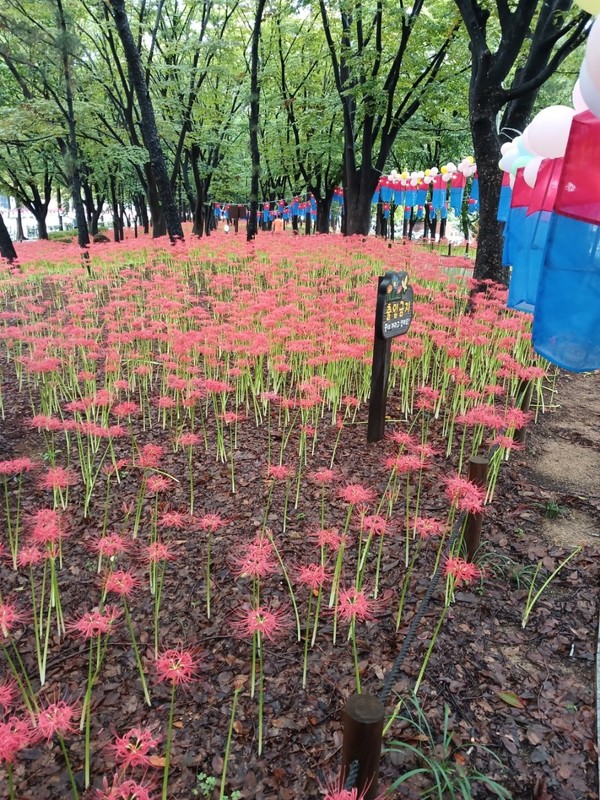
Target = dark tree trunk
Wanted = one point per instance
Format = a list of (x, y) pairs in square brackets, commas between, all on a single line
[(358, 196), (159, 223), (140, 206), (59, 205), (251, 228), (323, 210), (149, 129), (83, 236), (42, 225), (20, 232), (7, 249), (115, 210)]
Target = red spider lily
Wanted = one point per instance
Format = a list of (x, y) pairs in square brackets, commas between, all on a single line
[(189, 439), (328, 537), (133, 748), (174, 519), (257, 561), (111, 545), (465, 495), (55, 718), (158, 483), (158, 551), (374, 524), (353, 604), (312, 575), (16, 466), (426, 527), (356, 494), (322, 476), (280, 472), (404, 464), (123, 789), (150, 455), (15, 735), (211, 522), (8, 693), (30, 555), (10, 617), (95, 623), (176, 667), (58, 478), (47, 527), (264, 620), (121, 582), (462, 571)]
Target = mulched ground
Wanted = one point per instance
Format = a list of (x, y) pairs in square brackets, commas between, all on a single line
[(542, 730)]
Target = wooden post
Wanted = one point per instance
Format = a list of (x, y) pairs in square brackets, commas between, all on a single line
[(478, 469), (382, 350), (524, 392), (363, 731)]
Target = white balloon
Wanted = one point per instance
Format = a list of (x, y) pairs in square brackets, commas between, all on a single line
[(579, 103), (531, 170), (508, 160), (548, 132), (447, 177), (506, 148), (451, 166), (589, 92), (592, 54), (434, 171)]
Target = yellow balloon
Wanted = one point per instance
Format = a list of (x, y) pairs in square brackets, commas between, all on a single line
[(591, 6), (404, 176), (444, 170), (470, 159), (427, 173)]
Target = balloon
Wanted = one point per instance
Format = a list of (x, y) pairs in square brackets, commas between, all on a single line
[(444, 170), (592, 52), (579, 103), (531, 170), (519, 162), (589, 92), (511, 180), (433, 171), (506, 148), (451, 166), (548, 132), (591, 6), (446, 177), (508, 160)]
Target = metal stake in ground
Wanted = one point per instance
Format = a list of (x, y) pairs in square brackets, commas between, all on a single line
[(478, 469), (363, 731), (393, 316)]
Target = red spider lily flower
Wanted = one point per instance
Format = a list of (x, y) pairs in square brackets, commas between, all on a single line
[(356, 494), (95, 623), (174, 519), (16, 466), (374, 524), (111, 469), (211, 522), (111, 545), (8, 693), (157, 483), (123, 789), (44, 423), (47, 527), (257, 561), (150, 456), (404, 439), (312, 575), (427, 527), (125, 409), (353, 604), (334, 790), (322, 476), (465, 495), (15, 735), (230, 417), (280, 472), (56, 718), (404, 464), (517, 419), (58, 478), (462, 571), (189, 439), (10, 617), (29, 556), (121, 582), (133, 748), (177, 667), (157, 552), (265, 620), (328, 537)]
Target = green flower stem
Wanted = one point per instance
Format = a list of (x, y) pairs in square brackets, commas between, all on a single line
[(157, 599), (222, 795), (208, 559), (355, 654), (306, 639), (136, 652), (316, 617), (11, 784), (165, 784), (289, 584), (22, 680), (65, 753), (261, 692), (430, 649)]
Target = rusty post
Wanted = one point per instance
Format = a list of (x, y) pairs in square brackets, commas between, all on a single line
[(524, 394), (478, 469), (363, 732)]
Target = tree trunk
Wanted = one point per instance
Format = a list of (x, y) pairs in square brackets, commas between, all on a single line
[(20, 232), (251, 228), (59, 206), (139, 201), (83, 236), (7, 249), (358, 195), (159, 223), (323, 210), (115, 210), (486, 145), (40, 219), (148, 126)]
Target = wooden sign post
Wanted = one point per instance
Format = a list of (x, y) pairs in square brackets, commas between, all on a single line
[(393, 316)]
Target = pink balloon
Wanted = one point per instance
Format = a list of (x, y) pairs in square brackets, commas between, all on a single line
[(592, 54), (548, 132)]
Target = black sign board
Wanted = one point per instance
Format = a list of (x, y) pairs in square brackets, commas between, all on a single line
[(393, 316), (394, 305)]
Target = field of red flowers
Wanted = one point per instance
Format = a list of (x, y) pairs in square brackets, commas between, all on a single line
[(202, 557)]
